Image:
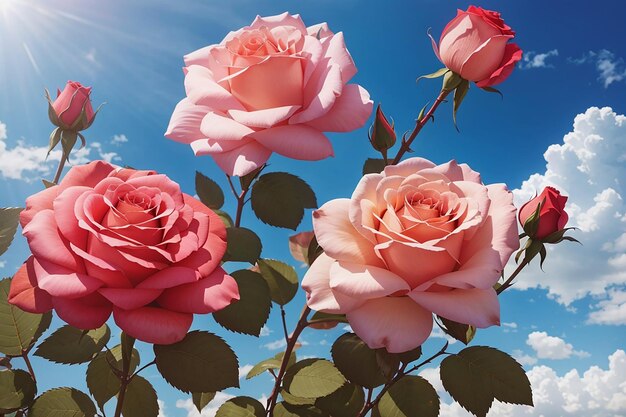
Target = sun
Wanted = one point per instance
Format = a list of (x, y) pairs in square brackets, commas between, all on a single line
[(5, 5)]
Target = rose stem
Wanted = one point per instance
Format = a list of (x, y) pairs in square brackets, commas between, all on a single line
[(241, 200), (419, 124), (401, 373), (291, 343), (31, 371), (509, 282), (283, 315), (124, 378), (57, 175)]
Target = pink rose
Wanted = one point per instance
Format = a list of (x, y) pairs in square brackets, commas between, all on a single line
[(552, 215), (475, 46), (130, 242), (273, 86), (70, 103), (417, 239)]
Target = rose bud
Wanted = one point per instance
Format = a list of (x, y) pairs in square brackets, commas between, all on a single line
[(382, 136), (72, 109), (475, 46), (544, 214)]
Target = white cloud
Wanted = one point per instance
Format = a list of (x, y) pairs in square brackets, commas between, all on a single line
[(29, 163), (3, 264), (552, 347), (437, 333), (509, 327), (610, 68), (533, 59), (119, 139), (611, 310), (276, 344), (347, 328), (243, 371), (265, 331), (161, 409), (523, 358), (589, 167), (208, 411), (595, 393)]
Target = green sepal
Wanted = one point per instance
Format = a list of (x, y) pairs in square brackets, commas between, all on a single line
[(439, 73), (459, 94)]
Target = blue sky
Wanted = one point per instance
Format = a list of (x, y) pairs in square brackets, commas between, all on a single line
[(567, 320)]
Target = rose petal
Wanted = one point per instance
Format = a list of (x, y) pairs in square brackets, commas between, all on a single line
[(24, 292), (70, 285), (295, 141), (365, 281), (397, 324), (89, 312), (486, 59), (130, 298), (203, 90), (263, 119), (243, 160), (153, 324), (46, 243), (185, 122), (217, 127), (512, 54), (349, 112)]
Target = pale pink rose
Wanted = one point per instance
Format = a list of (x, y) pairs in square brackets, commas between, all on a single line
[(417, 239), (111, 240), (273, 86), (70, 103), (475, 46)]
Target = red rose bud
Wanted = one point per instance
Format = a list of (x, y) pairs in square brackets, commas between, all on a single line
[(544, 214), (72, 109), (382, 135), (475, 45)]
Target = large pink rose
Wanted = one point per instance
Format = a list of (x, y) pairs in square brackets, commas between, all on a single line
[(273, 86), (417, 239), (475, 46), (129, 242)]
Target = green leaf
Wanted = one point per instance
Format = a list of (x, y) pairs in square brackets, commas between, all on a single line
[(271, 363), (314, 251), (209, 192), (479, 374), (284, 409), (243, 245), (228, 221), (325, 321), (451, 80), (347, 401), (409, 397), (281, 278), (492, 90), (47, 183), (9, 219), (201, 362), (140, 399), (357, 361), (279, 199), (388, 363), (250, 312), (241, 407), (313, 378), (293, 400), (460, 331), (247, 179), (299, 246), (71, 345), (201, 399), (103, 384), (17, 390), (55, 138), (62, 402), (19, 330), (373, 166), (439, 73), (459, 95)]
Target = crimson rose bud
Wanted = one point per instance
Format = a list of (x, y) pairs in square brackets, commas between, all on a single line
[(552, 216), (69, 106), (475, 45), (382, 135)]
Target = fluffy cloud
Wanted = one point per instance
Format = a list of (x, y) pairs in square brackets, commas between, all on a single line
[(208, 411), (552, 347), (533, 59), (596, 393), (243, 371), (524, 359), (589, 167), (119, 139), (610, 68), (29, 163), (265, 331)]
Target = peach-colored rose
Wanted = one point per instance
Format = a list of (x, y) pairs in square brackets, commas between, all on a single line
[(129, 242), (70, 103), (475, 46), (417, 239), (273, 86)]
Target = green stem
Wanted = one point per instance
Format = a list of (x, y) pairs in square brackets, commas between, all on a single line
[(57, 175), (125, 377), (509, 282), (241, 200), (31, 371)]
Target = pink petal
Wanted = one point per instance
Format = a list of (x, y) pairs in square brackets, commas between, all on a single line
[(320, 29), (207, 295), (243, 160), (64, 215), (283, 19), (364, 281), (486, 59), (338, 55), (480, 271), (153, 324), (263, 119), (456, 172), (88, 175), (203, 90), (43, 200), (89, 312), (350, 111), (130, 298), (296, 141), (364, 204), (512, 54), (185, 122), (320, 296), (339, 238), (46, 243), (210, 146), (320, 95), (218, 127), (408, 167), (169, 277), (476, 307), (397, 324), (69, 285), (199, 56), (24, 292)]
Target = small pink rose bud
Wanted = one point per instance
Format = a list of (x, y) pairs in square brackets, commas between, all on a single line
[(72, 107), (382, 135), (540, 222)]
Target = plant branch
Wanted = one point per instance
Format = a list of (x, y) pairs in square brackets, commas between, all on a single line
[(241, 200), (419, 124), (291, 343), (124, 379), (143, 367), (509, 282), (31, 371), (57, 175), (283, 316)]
